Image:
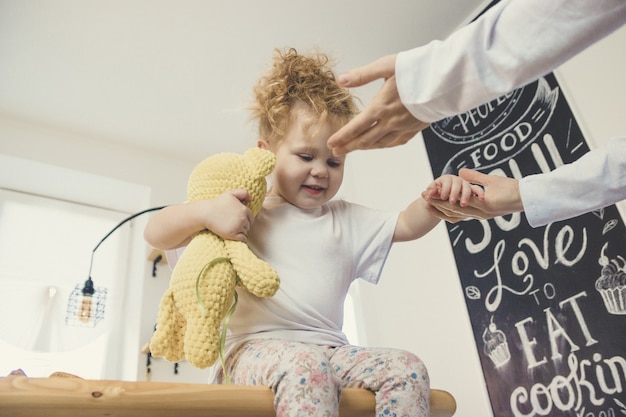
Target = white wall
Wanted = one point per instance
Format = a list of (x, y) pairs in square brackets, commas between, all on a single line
[(164, 178), (418, 305)]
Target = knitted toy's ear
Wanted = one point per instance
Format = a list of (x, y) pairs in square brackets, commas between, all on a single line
[(261, 159)]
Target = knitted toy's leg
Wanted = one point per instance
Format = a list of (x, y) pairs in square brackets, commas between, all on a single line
[(167, 340), (215, 292), (202, 342), (256, 275)]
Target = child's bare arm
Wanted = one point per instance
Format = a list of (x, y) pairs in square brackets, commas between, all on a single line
[(225, 215), (414, 222), (420, 217)]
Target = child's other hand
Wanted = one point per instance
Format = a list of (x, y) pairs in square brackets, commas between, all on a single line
[(229, 217), (454, 189)]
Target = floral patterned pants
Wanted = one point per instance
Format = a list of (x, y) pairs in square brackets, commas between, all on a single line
[(307, 379)]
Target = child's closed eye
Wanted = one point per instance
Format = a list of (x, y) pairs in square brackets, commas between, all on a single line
[(334, 164)]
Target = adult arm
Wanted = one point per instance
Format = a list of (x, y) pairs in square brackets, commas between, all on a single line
[(596, 180), (513, 43)]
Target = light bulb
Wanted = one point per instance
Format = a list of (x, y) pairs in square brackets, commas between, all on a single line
[(84, 313)]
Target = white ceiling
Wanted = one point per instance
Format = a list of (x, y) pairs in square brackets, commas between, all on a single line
[(174, 77)]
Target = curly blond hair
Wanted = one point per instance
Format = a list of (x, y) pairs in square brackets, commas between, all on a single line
[(298, 79)]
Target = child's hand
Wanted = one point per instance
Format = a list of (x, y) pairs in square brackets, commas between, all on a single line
[(499, 196), (228, 217), (453, 189)]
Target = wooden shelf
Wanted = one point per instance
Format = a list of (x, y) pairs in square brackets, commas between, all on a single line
[(154, 253), (59, 397)]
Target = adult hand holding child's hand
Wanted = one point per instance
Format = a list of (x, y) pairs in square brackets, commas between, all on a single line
[(497, 196)]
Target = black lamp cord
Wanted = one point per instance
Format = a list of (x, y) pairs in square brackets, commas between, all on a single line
[(117, 227)]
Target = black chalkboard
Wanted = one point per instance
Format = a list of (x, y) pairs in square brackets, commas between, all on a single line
[(551, 342)]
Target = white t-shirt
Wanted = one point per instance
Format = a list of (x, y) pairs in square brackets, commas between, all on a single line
[(317, 254)]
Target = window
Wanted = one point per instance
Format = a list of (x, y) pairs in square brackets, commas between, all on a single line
[(31, 189), (45, 250), (349, 320)]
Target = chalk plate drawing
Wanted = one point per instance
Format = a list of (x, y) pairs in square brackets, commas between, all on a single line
[(547, 305)]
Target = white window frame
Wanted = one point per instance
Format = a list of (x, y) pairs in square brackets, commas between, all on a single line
[(23, 175)]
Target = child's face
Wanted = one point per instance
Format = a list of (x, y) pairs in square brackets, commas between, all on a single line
[(307, 174)]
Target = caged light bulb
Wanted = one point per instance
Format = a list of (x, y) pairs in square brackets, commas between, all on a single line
[(85, 307)]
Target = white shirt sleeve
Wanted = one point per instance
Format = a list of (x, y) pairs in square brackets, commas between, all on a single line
[(513, 43), (596, 180)]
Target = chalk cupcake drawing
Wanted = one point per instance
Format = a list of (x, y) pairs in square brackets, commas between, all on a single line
[(496, 346), (612, 283)]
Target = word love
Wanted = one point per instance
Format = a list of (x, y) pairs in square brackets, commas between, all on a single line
[(567, 248)]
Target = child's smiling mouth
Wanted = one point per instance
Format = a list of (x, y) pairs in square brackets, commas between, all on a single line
[(313, 189)]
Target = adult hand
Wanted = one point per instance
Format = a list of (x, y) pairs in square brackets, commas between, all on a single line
[(453, 213), (384, 122), (501, 197)]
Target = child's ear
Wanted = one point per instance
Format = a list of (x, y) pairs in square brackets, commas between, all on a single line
[(263, 144)]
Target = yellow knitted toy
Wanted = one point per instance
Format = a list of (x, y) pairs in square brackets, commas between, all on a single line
[(202, 287)]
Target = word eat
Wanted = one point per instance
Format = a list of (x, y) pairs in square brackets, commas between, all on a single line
[(555, 332)]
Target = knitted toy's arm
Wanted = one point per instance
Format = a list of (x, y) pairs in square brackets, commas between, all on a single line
[(256, 275)]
